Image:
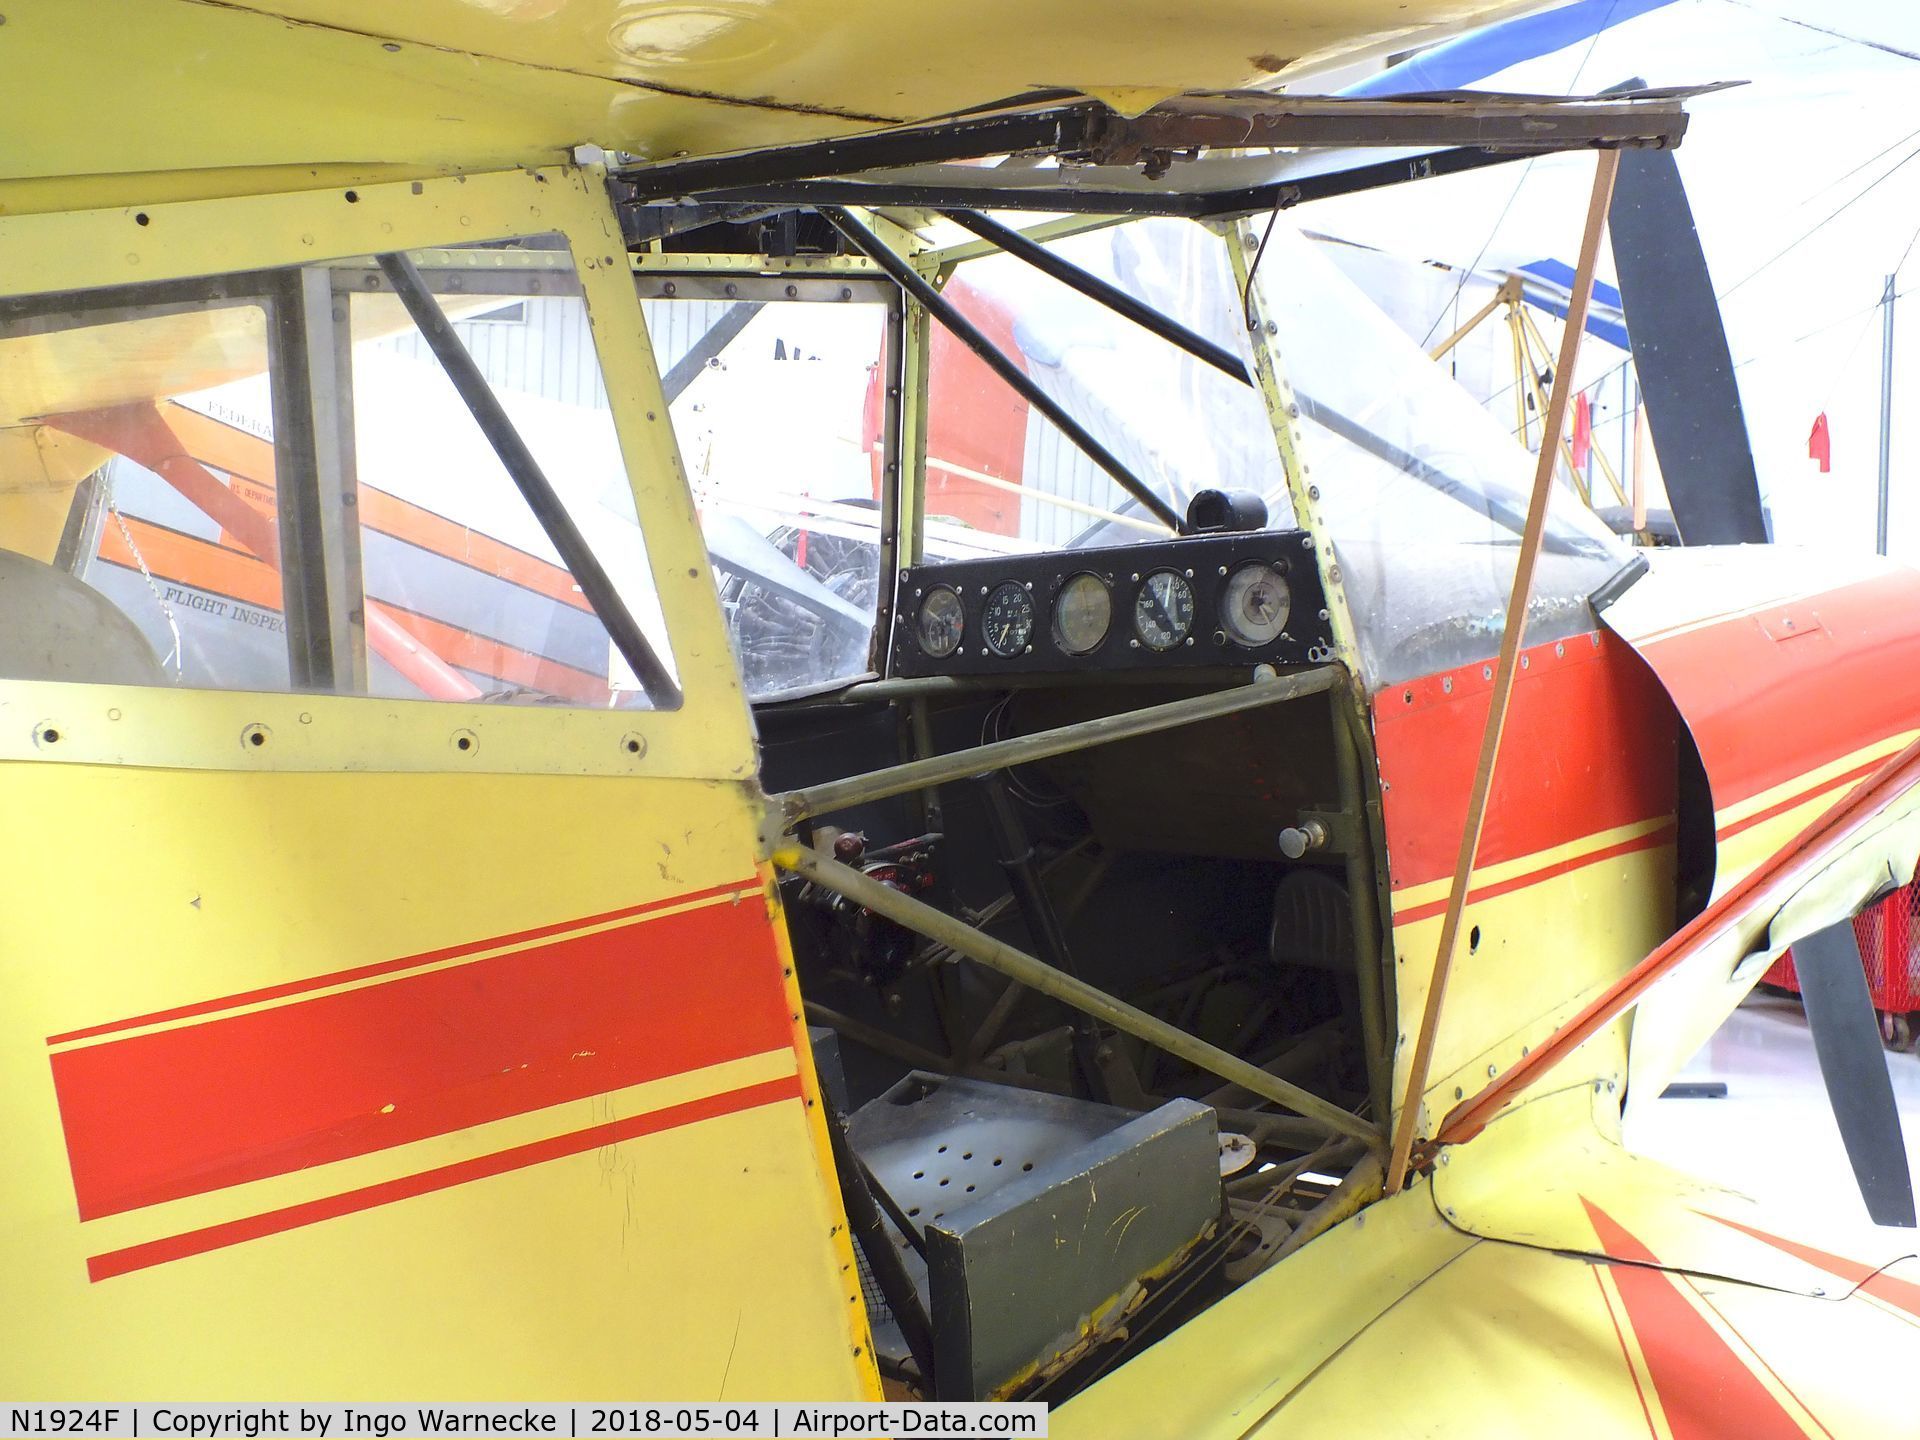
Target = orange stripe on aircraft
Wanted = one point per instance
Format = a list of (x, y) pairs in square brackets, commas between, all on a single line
[(1592, 725), (292, 1217), (165, 1114), (1872, 1279), (204, 565), (223, 447), (1706, 1390), (189, 560), (1639, 1393), (417, 526), (500, 661)]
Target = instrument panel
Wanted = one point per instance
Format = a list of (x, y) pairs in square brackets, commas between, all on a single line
[(1248, 598)]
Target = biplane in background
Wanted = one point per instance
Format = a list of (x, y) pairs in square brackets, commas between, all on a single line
[(574, 832)]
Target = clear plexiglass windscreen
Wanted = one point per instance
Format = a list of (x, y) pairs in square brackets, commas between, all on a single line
[(154, 441), (1424, 494), (999, 471), (777, 410)]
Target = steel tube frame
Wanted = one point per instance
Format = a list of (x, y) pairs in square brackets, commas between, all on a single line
[(301, 525), (794, 806), (1370, 975), (963, 939), (1223, 204), (518, 461), (1887, 297), (963, 329), (1064, 123), (1096, 289), (893, 467)]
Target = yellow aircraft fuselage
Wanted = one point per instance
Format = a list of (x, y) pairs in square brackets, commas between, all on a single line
[(356, 1044)]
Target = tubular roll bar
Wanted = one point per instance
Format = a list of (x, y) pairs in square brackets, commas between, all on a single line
[(531, 481), (964, 330)]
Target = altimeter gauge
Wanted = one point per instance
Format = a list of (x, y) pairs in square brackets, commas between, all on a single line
[(1254, 605)]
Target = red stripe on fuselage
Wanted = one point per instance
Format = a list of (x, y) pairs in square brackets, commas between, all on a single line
[(1651, 840), (158, 1116), (1706, 1390), (383, 967), (1589, 747), (1639, 1393), (292, 1217), (1828, 789)]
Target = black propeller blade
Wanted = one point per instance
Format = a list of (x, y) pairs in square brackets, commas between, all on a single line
[(1680, 354), (1693, 408), (1846, 1037)]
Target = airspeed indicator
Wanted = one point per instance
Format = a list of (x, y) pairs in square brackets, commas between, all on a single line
[(1163, 610)]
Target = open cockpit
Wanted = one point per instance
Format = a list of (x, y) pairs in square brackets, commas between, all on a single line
[(1061, 566)]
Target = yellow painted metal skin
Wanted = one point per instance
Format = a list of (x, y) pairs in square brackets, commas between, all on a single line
[(1477, 1303), (1691, 1003), (1549, 948), (709, 737), (553, 1279), (161, 861), (163, 864), (230, 90)]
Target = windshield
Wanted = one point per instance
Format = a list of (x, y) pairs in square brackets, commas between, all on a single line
[(272, 481), (776, 409), (1424, 494), (1178, 424)]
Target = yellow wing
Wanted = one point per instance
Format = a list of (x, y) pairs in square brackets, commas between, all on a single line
[(122, 87)]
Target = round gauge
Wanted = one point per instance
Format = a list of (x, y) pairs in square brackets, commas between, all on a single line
[(1007, 622), (940, 623), (1255, 604), (1082, 611), (1163, 610)]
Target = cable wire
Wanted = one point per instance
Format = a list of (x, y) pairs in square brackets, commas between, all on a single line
[(1860, 40), (1453, 305), (1821, 224)]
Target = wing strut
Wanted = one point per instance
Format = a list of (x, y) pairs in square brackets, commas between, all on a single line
[(1506, 668)]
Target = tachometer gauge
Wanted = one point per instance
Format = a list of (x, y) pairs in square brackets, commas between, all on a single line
[(1254, 605), (1163, 610), (1007, 622), (940, 623), (1082, 611)]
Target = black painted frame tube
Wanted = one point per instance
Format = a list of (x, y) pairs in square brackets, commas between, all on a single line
[(1022, 247), (964, 330), (575, 553)]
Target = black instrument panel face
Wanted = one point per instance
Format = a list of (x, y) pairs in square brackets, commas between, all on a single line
[(1249, 598)]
